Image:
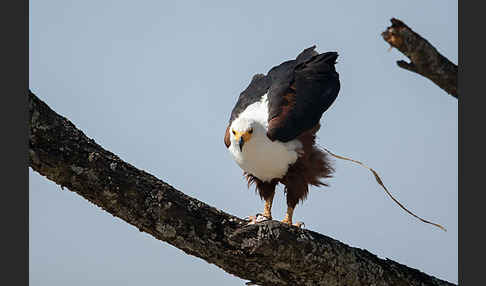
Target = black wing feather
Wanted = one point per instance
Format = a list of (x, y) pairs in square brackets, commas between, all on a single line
[(298, 99)]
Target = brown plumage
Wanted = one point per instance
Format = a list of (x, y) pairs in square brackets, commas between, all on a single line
[(227, 141)]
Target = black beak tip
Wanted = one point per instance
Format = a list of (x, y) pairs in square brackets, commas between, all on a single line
[(241, 143)]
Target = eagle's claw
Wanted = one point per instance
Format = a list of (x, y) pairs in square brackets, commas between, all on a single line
[(299, 224), (257, 218)]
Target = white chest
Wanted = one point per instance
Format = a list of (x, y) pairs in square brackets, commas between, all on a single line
[(265, 159), (261, 157)]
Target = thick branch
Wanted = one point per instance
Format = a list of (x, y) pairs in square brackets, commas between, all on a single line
[(425, 59), (269, 253)]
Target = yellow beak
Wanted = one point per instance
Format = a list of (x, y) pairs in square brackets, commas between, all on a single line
[(241, 138)]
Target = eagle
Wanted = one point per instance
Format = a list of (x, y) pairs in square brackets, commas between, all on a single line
[(272, 128)]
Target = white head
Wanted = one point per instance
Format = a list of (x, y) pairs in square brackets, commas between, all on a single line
[(242, 130)]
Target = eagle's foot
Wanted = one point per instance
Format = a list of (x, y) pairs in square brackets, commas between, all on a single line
[(299, 224), (288, 216), (267, 215), (287, 221), (257, 219)]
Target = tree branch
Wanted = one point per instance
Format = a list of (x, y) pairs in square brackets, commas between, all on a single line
[(269, 253), (425, 59)]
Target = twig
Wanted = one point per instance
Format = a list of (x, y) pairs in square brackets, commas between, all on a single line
[(425, 59)]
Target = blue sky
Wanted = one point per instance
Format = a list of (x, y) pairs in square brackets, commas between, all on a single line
[(144, 78)]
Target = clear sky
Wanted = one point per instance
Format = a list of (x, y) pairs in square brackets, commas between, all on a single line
[(145, 79)]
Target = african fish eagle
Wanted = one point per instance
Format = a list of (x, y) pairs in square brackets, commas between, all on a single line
[(271, 131)]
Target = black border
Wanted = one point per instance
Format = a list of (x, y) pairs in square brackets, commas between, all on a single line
[(14, 187), (460, 201), (471, 191)]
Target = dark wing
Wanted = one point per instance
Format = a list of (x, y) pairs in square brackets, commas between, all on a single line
[(301, 90)]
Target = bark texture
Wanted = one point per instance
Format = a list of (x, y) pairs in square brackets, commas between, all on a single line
[(424, 58), (269, 253)]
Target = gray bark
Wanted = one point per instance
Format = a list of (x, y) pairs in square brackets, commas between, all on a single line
[(424, 58), (269, 253)]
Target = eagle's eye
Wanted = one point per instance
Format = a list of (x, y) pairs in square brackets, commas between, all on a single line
[(234, 132), (250, 131)]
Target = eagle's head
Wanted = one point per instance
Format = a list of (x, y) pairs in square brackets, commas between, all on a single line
[(243, 130)]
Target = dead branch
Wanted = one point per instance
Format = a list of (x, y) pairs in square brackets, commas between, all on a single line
[(424, 58), (269, 253)]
